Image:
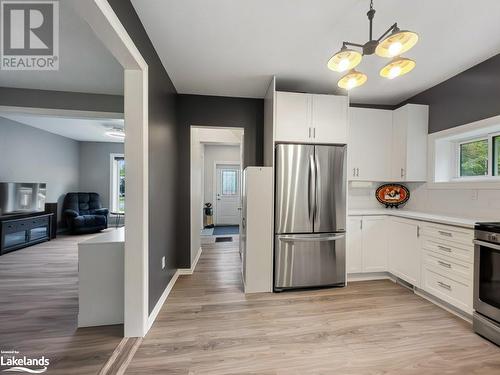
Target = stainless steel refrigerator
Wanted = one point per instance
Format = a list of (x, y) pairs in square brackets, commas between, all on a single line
[(310, 216)]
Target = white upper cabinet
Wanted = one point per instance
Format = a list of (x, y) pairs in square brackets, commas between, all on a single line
[(311, 118), (369, 144), (329, 118), (293, 118), (409, 143)]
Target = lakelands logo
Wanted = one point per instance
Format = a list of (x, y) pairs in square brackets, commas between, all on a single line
[(30, 35), (16, 363)]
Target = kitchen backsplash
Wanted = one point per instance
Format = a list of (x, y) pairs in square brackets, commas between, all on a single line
[(467, 203)]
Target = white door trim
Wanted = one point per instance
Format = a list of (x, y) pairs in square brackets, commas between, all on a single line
[(214, 183), (108, 28)]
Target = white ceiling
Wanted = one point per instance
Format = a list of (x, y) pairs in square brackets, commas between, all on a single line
[(232, 48), (85, 65), (79, 129)]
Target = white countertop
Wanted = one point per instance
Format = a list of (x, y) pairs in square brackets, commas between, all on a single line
[(424, 216), (111, 236)]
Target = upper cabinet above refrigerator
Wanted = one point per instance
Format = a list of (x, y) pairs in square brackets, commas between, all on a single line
[(311, 118)]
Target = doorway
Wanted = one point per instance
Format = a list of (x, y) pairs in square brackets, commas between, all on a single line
[(228, 197), (216, 170)]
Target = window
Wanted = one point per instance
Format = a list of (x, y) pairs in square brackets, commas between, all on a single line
[(466, 156), (117, 183), (474, 158), (229, 181), (496, 155)]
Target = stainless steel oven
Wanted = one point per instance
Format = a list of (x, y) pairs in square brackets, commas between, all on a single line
[(486, 319)]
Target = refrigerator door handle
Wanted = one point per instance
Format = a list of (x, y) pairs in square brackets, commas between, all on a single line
[(296, 238), (312, 188)]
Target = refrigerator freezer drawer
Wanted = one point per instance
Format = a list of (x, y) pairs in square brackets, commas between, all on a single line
[(309, 260)]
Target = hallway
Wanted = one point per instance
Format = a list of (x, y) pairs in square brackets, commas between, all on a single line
[(208, 326)]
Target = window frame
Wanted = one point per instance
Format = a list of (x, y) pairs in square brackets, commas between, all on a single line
[(114, 196), (458, 158)]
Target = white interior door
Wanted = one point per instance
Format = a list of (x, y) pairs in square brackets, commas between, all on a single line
[(227, 200)]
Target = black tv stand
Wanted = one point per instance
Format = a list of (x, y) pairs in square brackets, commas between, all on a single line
[(22, 230)]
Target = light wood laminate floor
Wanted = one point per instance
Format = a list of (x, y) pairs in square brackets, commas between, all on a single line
[(208, 326), (39, 308)]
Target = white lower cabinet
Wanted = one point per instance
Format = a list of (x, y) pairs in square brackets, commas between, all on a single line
[(404, 249), (366, 244), (435, 258), (447, 264)]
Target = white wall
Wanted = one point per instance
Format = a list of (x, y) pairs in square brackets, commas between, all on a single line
[(482, 204), (28, 154), (196, 191), (215, 153), (95, 168)]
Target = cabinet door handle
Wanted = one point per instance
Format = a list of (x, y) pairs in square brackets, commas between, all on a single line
[(443, 285), (418, 231), (361, 224), (354, 172), (444, 248), (446, 234), (309, 132), (444, 264), (357, 173), (402, 172), (314, 133)]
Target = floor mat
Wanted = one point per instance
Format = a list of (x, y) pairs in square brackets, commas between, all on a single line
[(226, 230), (224, 239)]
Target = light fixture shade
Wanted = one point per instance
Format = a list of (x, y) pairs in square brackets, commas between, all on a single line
[(344, 60), (397, 67), (397, 43), (352, 79)]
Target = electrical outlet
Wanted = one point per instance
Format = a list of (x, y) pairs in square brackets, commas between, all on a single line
[(162, 262), (474, 195)]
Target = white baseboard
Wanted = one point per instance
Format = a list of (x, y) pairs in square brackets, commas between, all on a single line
[(352, 277), (161, 301), (189, 271), (168, 289), (444, 305)]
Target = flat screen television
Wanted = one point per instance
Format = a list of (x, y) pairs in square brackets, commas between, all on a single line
[(21, 197)]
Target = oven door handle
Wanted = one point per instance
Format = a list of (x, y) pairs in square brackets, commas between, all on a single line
[(487, 244)]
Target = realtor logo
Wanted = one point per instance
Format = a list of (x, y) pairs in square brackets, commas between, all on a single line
[(30, 35)]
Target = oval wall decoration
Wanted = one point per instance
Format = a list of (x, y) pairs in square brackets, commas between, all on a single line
[(392, 195)]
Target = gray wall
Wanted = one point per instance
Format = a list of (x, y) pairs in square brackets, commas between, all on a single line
[(212, 111), (163, 182), (28, 154), (60, 100), (469, 96), (95, 168)]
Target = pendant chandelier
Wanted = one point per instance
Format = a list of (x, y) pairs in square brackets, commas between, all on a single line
[(392, 44)]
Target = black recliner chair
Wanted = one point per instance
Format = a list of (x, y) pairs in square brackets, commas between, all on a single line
[(83, 213)]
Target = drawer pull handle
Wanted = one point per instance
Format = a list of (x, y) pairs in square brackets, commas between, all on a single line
[(444, 248), (443, 233), (444, 264), (443, 285)]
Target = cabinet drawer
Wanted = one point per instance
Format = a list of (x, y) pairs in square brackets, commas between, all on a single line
[(449, 233), (449, 249), (447, 266), (14, 226), (458, 294)]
